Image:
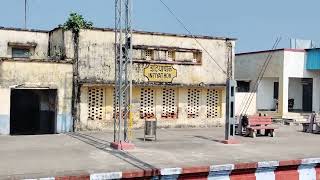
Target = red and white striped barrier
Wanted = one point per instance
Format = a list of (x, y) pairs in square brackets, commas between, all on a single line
[(305, 169)]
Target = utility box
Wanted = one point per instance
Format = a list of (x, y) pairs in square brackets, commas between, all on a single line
[(150, 129)]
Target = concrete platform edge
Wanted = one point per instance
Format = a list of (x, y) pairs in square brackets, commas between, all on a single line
[(296, 169)]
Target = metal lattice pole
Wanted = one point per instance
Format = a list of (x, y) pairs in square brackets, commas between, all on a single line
[(123, 62)]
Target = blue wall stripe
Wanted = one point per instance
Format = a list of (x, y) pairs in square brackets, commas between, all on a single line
[(313, 59), (4, 124), (64, 123)]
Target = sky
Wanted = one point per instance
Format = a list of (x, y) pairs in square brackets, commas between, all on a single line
[(255, 23)]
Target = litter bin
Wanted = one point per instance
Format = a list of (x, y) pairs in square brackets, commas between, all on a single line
[(150, 129)]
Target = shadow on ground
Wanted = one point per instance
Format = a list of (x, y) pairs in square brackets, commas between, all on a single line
[(104, 146)]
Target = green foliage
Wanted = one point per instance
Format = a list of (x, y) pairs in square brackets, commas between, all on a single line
[(76, 22)]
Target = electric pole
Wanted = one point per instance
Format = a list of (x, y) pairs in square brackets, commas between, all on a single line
[(230, 99), (25, 14), (123, 77)]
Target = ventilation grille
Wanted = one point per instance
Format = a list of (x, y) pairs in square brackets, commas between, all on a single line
[(147, 107), (169, 103), (213, 103), (95, 101), (171, 55), (193, 103), (148, 54)]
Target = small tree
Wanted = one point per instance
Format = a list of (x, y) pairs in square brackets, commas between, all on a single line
[(76, 22)]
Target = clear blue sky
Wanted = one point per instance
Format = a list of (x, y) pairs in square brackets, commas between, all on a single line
[(255, 23)]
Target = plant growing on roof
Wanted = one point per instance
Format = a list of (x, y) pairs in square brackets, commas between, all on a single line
[(76, 22)]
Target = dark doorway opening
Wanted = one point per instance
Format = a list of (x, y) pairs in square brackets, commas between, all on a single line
[(32, 111), (276, 90), (307, 95)]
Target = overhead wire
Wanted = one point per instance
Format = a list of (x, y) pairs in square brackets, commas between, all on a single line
[(245, 106), (191, 34), (258, 80), (245, 103)]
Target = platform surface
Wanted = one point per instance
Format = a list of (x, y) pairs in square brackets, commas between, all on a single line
[(87, 152)]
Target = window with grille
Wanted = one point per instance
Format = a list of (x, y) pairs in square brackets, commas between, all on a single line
[(147, 103), (148, 54), (193, 103), (213, 103), (169, 103), (95, 103), (197, 57), (171, 55), (20, 52)]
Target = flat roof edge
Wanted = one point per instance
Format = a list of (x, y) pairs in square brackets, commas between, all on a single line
[(270, 50), (134, 31), (162, 33), (23, 29), (171, 34)]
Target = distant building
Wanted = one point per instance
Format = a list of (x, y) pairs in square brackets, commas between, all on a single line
[(174, 79), (290, 86)]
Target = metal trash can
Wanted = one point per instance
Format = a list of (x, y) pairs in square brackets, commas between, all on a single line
[(150, 129)]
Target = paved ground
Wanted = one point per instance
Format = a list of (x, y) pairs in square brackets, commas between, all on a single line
[(89, 151)]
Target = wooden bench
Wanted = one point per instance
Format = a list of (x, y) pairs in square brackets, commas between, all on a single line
[(258, 123)]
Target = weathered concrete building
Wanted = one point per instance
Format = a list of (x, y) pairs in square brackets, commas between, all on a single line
[(35, 89), (175, 80)]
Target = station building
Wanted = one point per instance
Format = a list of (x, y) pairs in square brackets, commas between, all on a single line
[(178, 79), (174, 79)]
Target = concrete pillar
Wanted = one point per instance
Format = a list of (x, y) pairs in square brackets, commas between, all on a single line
[(183, 103), (5, 111), (108, 103), (84, 105), (316, 94), (283, 95), (223, 103), (136, 106), (64, 122), (158, 101), (203, 103)]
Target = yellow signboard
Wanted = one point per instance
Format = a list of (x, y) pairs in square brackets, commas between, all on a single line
[(160, 72)]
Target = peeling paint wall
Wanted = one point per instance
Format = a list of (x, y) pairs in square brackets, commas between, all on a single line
[(96, 57), (40, 38), (96, 66), (18, 74), (61, 43)]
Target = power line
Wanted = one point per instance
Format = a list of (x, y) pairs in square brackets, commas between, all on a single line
[(25, 14), (191, 34), (259, 78), (247, 100)]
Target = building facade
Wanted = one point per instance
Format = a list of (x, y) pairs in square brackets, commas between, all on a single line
[(290, 85), (35, 89), (174, 79)]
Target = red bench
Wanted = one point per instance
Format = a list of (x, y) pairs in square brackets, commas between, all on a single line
[(258, 123)]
